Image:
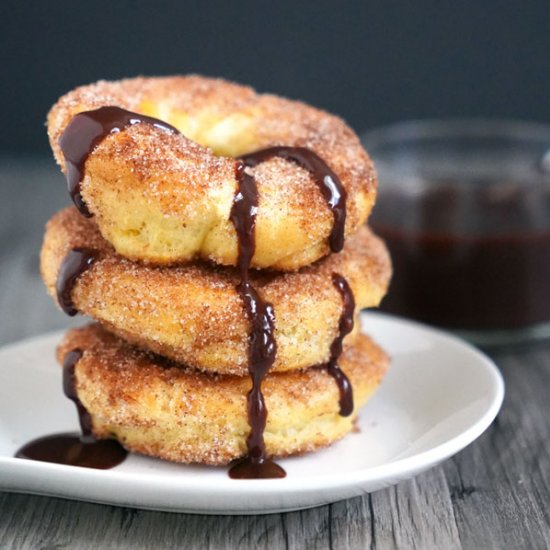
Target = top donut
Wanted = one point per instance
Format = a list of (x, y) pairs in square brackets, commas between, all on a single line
[(164, 193)]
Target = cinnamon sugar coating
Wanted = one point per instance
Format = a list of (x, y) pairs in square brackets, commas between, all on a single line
[(166, 198), (193, 313), (162, 409)]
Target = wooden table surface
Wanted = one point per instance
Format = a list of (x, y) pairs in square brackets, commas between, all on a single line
[(494, 494)]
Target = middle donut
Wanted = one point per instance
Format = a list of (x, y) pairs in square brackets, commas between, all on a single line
[(193, 314)]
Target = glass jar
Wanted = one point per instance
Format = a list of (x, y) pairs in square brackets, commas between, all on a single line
[(464, 208)]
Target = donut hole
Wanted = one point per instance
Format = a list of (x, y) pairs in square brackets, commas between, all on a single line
[(228, 135)]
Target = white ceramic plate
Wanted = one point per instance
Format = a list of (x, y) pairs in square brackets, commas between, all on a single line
[(439, 395)]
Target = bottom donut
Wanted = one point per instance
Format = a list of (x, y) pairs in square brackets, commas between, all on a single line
[(159, 408)]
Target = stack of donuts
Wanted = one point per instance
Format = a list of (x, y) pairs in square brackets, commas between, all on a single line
[(218, 240)]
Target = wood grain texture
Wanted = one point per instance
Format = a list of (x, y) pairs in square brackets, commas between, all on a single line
[(494, 494)]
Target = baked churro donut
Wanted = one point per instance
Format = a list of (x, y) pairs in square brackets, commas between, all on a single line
[(162, 409), (163, 196), (194, 314)]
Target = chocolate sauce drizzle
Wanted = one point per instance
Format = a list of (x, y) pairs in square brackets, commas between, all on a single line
[(74, 449), (87, 129), (262, 347), (329, 183), (345, 326), (85, 132), (75, 263)]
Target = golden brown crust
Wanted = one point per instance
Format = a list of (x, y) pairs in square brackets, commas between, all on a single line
[(175, 413), (165, 198), (193, 313)]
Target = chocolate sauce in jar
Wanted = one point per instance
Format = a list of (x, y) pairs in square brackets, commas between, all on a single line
[(85, 132), (469, 255), (345, 326), (75, 263), (330, 185), (74, 449)]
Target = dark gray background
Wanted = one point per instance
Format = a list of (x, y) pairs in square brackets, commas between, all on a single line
[(372, 62)]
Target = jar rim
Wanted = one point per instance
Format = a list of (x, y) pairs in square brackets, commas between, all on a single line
[(418, 129)]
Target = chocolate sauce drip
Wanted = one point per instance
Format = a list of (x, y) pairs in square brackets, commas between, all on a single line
[(262, 347), (85, 132), (243, 217), (69, 389), (75, 263), (74, 449), (330, 185), (261, 356), (345, 326)]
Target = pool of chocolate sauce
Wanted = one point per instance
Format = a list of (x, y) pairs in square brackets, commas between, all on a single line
[(470, 255), (71, 449)]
